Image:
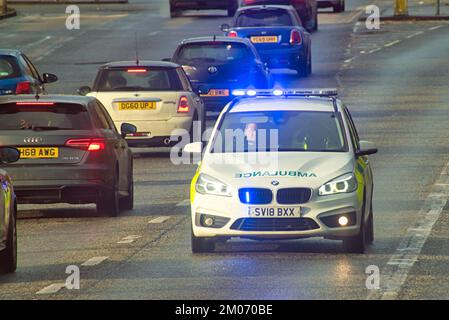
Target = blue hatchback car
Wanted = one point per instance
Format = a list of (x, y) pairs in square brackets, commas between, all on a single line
[(278, 35), (19, 76)]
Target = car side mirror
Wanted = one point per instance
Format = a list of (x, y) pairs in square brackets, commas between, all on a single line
[(366, 148), (49, 78), (194, 147), (225, 27), (9, 155), (167, 59), (84, 90), (127, 128)]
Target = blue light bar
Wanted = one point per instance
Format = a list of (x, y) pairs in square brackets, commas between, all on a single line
[(327, 92)]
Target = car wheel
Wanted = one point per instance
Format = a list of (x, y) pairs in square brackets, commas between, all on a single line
[(356, 244), (370, 227), (127, 203), (339, 7), (109, 203), (231, 12), (303, 68), (174, 12), (309, 62), (201, 245), (8, 256)]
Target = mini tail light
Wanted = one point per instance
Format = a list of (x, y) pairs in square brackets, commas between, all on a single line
[(232, 34), (295, 37), (23, 87), (183, 106), (86, 144)]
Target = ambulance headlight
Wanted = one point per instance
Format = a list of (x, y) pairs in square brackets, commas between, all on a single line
[(209, 185), (343, 184)]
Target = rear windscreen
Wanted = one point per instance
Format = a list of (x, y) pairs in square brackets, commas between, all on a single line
[(9, 68), (65, 116), (263, 18), (139, 79), (214, 52)]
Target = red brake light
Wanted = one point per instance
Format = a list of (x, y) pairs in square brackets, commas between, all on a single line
[(295, 37), (23, 87), (183, 106), (34, 103), (232, 34), (137, 70), (86, 144)]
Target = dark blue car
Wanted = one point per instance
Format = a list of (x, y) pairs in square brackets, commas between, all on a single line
[(278, 35), (217, 65), (19, 76)]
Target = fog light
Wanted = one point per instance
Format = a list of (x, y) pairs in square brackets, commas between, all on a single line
[(343, 221), (209, 221)]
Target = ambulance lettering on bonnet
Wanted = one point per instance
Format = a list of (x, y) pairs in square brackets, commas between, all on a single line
[(279, 173)]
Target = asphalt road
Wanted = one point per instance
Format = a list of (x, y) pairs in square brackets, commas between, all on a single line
[(394, 82)]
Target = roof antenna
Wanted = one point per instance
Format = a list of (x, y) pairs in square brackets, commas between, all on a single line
[(37, 97), (137, 50), (215, 37)]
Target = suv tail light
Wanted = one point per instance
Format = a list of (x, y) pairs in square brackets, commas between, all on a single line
[(295, 37), (183, 106), (232, 34), (23, 87), (95, 144)]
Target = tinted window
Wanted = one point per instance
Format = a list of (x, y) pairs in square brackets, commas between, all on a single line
[(264, 18), (9, 68), (220, 52), (60, 116), (280, 131), (139, 79)]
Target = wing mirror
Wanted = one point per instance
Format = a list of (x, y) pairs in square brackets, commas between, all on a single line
[(49, 78), (366, 148), (127, 128), (225, 27), (9, 155), (84, 90)]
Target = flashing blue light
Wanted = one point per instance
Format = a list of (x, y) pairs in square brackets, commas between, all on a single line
[(278, 92), (238, 93), (251, 93)]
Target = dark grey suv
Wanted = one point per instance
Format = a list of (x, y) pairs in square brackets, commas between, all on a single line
[(70, 152)]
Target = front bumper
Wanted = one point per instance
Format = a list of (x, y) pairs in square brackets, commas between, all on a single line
[(311, 223)]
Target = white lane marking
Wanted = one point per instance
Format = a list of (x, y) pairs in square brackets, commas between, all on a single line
[(436, 27), (414, 34), (412, 243), (94, 261), (159, 220), (348, 60), (129, 239), (184, 203), (374, 50), (40, 41), (392, 43), (56, 47), (53, 288), (153, 33)]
